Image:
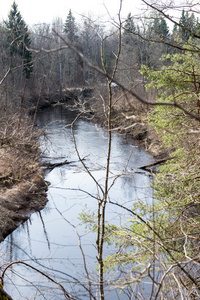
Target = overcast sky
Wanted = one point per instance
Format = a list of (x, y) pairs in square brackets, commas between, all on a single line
[(39, 11)]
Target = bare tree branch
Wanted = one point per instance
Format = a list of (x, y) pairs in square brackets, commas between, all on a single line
[(170, 19), (131, 92), (35, 269)]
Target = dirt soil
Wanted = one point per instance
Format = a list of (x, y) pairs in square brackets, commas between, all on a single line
[(22, 185), (19, 199)]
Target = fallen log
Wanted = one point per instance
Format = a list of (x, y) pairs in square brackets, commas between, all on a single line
[(154, 164), (51, 166)]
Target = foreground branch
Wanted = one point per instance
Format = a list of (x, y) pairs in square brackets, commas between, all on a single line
[(45, 275), (109, 77), (178, 264), (4, 295)]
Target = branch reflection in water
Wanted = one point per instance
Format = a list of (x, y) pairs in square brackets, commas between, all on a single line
[(53, 240)]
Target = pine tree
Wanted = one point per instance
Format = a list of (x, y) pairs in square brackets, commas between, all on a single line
[(128, 31), (175, 29), (129, 26), (160, 27), (188, 25), (183, 22), (70, 27), (197, 27), (18, 39), (177, 184)]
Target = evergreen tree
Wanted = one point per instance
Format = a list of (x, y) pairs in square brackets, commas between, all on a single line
[(175, 29), (188, 25), (128, 33), (70, 27), (160, 27), (175, 212), (129, 26), (197, 27), (178, 184), (183, 22), (18, 39)]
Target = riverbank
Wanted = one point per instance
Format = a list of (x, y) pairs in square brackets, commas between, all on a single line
[(129, 116), (22, 185)]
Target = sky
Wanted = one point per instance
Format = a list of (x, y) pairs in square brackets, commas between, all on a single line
[(45, 11)]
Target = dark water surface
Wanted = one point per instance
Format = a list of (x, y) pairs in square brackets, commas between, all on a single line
[(50, 240)]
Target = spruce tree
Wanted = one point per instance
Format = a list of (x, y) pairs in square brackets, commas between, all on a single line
[(188, 25), (184, 23), (70, 27), (19, 40), (160, 27), (128, 31), (129, 26)]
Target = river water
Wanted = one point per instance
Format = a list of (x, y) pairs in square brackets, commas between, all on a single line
[(54, 240)]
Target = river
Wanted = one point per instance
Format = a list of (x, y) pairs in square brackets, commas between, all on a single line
[(54, 240)]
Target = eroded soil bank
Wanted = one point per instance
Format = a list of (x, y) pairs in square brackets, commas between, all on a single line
[(22, 185), (129, 116)]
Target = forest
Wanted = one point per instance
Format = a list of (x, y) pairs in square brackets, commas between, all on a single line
[(139, 76)]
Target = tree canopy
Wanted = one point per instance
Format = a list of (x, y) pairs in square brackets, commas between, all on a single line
[(70, 27), (18, 39)]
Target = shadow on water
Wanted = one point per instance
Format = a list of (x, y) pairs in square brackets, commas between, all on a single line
[(50, 240)]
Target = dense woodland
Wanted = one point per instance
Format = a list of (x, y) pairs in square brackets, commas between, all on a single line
[(155, 62), (143, 42)]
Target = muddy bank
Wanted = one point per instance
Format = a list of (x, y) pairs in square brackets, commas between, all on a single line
[(18, 201), (22, 185), (129, 116)]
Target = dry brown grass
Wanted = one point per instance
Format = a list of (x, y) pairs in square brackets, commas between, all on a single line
[(129, 116), (22, 185)]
